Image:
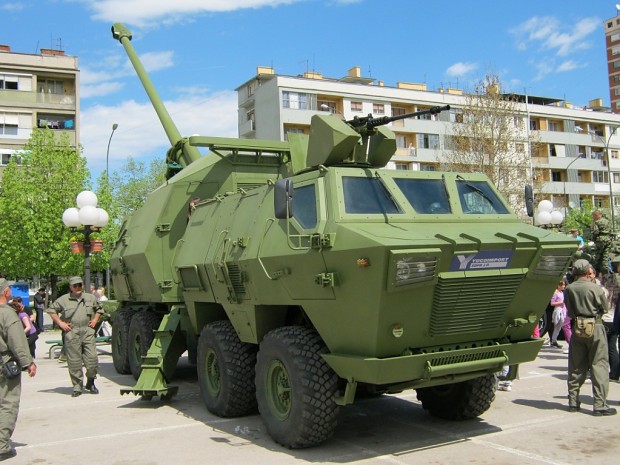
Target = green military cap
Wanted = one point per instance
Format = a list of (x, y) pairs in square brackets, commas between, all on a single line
[(75, 280)]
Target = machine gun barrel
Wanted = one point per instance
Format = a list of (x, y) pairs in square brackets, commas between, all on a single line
[(189, 153), (371, 122)]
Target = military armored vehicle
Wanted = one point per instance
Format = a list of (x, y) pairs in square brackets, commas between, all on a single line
[(297, 274)]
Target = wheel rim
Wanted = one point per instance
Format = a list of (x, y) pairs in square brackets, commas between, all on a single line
[(278, 390), (212, 373)]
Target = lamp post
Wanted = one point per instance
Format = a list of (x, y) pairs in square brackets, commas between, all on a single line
[(611, 191), (89, 218), (107, 153), (107, 181)]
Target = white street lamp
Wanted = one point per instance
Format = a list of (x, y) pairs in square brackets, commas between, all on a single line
[(546, 215), (91, 219)]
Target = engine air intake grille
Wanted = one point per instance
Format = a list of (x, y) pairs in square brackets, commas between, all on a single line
[(552, 265), (472, 304)]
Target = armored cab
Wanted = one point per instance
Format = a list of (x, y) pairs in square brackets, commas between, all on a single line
[(299, 272)]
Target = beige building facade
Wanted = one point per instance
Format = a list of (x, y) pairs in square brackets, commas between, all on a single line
[(36, 90)]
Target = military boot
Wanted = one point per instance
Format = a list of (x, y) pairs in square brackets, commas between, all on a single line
[(90, 386)]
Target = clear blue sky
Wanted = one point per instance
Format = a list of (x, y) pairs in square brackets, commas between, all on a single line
[(199, 51)]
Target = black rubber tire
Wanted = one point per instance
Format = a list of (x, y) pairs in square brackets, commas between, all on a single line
[(120, 337), (459, 401), (295, 388), (140, 337), (226, 371)]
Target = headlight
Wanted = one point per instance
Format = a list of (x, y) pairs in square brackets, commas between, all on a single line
[(411, 270)]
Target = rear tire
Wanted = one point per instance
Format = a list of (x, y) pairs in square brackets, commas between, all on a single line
[(296, 389), (460, 401), (120, 340), (226, 371), (140, 336)]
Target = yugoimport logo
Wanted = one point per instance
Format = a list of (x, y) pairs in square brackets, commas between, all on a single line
[(483, 260)]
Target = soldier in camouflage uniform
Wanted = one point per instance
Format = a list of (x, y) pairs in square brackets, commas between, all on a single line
[(77, 314), (13, 346), (602, 237)]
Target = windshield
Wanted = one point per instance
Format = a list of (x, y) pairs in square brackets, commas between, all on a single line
[(477, 197), (367, 195), (425, 195)]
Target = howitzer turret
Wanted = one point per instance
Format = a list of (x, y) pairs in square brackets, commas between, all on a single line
[(295, 272)]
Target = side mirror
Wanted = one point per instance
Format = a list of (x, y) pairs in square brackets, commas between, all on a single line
[(529, 200), (283, 199)]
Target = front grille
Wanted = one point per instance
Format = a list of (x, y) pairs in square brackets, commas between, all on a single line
[(472, 304), (448, 359)]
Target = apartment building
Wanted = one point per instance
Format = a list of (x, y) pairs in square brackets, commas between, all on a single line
[(612, 47), (571, 141), (36, 90)]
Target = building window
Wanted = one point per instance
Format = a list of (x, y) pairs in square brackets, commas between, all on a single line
[(615, 37), (617, 64), (600, 177), (401, 141), (356, 106), (378, 109), (50, 87), (295, 100), (556, 176), (614, 154), (615, 50), (520, 147), (288, 131), (427, 167), (599, 202), (8, 82), (428, 141), (616, 178), (456, 116), (402, 166), (6, 157), (534, 125), (554, 126), (518, 122)]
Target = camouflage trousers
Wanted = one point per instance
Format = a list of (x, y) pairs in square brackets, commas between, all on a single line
[(601, 259)]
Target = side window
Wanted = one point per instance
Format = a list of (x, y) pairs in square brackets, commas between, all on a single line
[(305, 206)]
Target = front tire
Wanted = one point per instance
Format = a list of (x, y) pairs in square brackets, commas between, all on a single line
[(226, 371), (460, 401), (296, 389)]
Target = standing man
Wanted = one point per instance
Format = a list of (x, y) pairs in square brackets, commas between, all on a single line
[(39, 307), (602, 237), (13, 348), (77, 314), (586, 303)]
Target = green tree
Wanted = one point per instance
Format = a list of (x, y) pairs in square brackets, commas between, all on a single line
[(490, 136), (37, 186), (128, 189)]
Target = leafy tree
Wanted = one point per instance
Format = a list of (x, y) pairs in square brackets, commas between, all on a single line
[(580, 218), (35, 192), (490, 136), (128, 190)]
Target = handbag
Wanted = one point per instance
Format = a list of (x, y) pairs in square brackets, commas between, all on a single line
[(584, 327), (10, 369)]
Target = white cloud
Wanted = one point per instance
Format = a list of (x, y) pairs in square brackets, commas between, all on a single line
[(140, 133), (12, 7), (99, 90), (461, 69), (568, 65), (147, 12), (550, 34)]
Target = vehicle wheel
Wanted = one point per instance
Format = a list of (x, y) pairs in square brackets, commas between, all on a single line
[(226, 371), (120, 344), (140, 337), (460, 401), (295, 388)]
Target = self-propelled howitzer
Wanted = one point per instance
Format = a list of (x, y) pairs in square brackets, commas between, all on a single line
[(299, 272)]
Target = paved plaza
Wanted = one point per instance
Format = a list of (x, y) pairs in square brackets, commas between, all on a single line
[(529, 425)]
